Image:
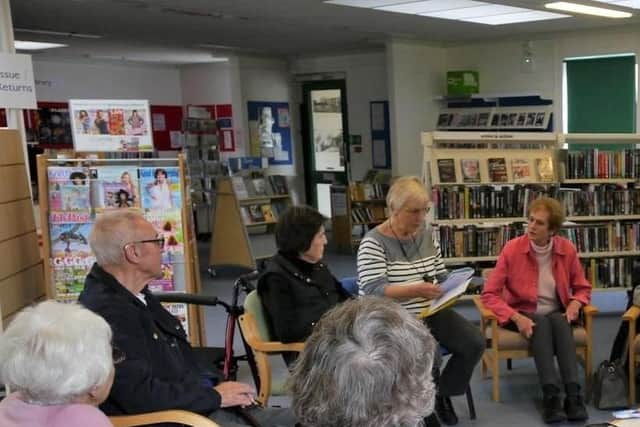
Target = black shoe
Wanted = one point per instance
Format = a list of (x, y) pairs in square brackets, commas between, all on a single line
[(575, 409), (551, 409), (444, 409), (431, 420)]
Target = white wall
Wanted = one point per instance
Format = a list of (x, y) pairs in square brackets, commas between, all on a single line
[(61, 81), (366, 81), (416, 74)]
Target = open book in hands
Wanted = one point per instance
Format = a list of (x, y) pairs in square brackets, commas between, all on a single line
[(452, 288)]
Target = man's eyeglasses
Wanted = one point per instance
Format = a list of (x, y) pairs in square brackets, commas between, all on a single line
[(159, 241), (117, 355)]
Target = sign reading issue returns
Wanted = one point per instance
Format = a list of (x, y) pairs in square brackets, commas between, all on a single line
[(17, 87)]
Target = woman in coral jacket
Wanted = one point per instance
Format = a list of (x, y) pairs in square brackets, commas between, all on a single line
[(537, 289)]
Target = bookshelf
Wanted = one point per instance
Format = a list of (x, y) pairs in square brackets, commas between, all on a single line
[(66, 222), (247, 208), (477, 211), (203, 166), (357, 207)]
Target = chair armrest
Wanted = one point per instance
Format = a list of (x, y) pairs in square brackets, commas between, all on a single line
[(485, 313), (590, 310), (277, 346), (632, 314), (249, 330), (194, 299), (170, 416)]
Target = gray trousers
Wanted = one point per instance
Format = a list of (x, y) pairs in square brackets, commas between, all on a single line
[(552, 336), (465, 343), (268, 417)]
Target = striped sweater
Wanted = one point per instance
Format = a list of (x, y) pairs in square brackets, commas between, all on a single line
[(382, 262)]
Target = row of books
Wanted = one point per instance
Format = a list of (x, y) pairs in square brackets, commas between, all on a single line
[(363, 191), (521, 170), (262, 213), (604, 199), (593, 163), (369, 214), (485, 201), (259, 185), (99, 188), (609, 272), (604, 237), (471, 240)]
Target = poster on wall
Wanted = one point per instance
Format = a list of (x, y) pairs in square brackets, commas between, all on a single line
[(104, 125), (49, 125), (327, 130), (270, 132)]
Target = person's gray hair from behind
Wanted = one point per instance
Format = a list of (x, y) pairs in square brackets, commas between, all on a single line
[(367, 363), (53, 352), (405, 188), (111, 232)]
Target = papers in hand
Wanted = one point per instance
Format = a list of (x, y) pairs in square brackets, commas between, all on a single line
[(455, 285)]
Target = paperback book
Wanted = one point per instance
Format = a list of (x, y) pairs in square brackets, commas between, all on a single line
[(470, 170), (446, 170), (497, 169), (544, 167), (520, 170), (160, 187)]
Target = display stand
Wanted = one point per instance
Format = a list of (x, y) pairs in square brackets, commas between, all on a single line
[(21, 264), (243, 224), (186, 281)]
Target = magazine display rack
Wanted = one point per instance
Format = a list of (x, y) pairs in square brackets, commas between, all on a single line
[(247, 209), (75, 191), (21, 264)]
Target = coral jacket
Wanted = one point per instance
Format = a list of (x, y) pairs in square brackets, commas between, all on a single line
[(513, 285)]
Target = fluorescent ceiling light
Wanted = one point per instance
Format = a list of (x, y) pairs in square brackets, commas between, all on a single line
[(512, 18), (421, 7), (633, 4), (587, 10), (58, 33), (480, 12), (25, 45)]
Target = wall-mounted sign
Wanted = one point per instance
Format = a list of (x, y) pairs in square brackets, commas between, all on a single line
[(111, 125), (17, 87)]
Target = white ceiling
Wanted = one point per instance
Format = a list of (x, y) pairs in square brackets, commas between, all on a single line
[(172, 31)]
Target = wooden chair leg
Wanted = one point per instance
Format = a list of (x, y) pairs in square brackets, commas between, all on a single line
[(632, 379), (470, 404), (495, 392)]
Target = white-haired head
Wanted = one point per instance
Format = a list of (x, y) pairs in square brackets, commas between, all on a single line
[(55, 353)]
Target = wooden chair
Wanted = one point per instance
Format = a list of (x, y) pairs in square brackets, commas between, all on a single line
[(171, 416), (505, 344), (255, 330), (633, 340)]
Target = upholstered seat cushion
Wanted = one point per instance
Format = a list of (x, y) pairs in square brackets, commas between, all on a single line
[(510, 340)]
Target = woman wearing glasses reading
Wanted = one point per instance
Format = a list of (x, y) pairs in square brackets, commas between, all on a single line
[(58, 360), (399, 259)]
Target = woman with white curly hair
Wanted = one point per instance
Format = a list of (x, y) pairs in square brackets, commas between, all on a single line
[(367, 363), (58, 361)]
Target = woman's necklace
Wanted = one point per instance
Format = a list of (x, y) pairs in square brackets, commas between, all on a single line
[(404, 252)]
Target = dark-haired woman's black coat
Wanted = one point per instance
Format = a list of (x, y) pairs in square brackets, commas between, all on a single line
[(295, 294)]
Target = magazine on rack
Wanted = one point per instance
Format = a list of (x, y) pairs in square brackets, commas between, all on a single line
[(452, 288)]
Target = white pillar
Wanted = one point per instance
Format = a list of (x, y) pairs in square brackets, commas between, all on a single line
[(14, 117)]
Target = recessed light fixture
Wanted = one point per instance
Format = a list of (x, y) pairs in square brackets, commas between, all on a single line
[(480, 12), (633, 4), (27, 45), (58, 33), (566, 6)]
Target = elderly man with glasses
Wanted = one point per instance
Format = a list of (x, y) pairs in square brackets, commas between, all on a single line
[(160, 371)]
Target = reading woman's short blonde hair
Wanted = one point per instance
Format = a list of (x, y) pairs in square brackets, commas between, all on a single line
[(404, 189)]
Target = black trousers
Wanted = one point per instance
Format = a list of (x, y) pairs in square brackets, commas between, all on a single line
[(466, 345), (552, 336)]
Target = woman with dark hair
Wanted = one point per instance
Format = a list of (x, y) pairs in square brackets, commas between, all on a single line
[(296, 288)]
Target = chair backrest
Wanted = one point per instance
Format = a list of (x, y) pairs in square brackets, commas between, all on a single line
[(171, 416), (350, 284), (253, 305)]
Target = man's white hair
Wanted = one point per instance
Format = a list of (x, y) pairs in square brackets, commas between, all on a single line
[(111, 232), (53, 353)]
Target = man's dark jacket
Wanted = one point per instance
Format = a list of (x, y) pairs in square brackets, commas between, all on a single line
[(295, 294), (160, 370)]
